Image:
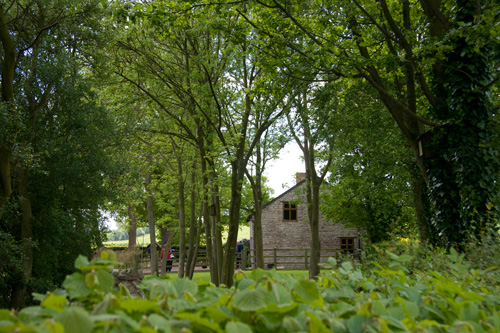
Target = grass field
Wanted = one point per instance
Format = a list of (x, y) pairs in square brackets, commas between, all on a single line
[(205, 276), (244, 233)]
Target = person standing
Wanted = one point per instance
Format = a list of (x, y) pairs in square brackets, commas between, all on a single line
[(170, 260), (239, 252)]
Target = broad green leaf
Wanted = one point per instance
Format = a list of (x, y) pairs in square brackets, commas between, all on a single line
[(157, 288), (332, 261), (471, 296), (411, 309), (6, 315), (279, 294), (54, 302), (199, 323), (218, 314), (184, 285), (81, 262), (245, 283), (75, 285), (379, 308), (238, 327), (397, 312), (52, 326), (184, 304), (75, 320), (394, 323), (281, 309), (138, 305), (469, 311), (105, 280), (7, 326), (356, 323), (307, 291), (347, 266), (249, 300), (159, 323), (315, 325), (90, 280), (291, 324)]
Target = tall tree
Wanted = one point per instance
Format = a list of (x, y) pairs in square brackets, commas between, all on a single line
[(308, 129), (43, 54), (402, 48)]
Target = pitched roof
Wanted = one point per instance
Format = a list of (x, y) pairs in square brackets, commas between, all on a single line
[(279, 196)]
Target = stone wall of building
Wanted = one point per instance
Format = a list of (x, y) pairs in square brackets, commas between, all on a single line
[(281, 234)]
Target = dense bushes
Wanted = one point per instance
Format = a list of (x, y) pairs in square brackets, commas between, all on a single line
[(420, 291)]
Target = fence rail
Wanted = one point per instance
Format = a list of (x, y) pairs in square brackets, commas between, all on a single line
[(299, 259), (278, 258)]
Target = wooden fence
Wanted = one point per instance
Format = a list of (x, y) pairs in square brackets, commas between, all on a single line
[(297, 258), (277, 258)]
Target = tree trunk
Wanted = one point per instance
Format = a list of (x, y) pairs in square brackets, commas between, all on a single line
[(151, 224), (256, 184), (132, 227), (182, 221), (19, 289), (192, 224), (215, 220), (8, 68), (234, 215), (206, 217), (167, 235), (196, 248), (420, 209)]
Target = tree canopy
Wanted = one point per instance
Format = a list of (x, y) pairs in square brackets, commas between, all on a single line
[(167, 112)]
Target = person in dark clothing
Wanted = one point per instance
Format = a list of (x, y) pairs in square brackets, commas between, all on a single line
[(170, 256), (239, 252)]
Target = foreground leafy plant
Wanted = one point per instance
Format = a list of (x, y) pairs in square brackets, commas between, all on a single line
[(453, 297)]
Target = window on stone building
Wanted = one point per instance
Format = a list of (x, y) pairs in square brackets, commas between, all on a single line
[(289, 211), (347, 245)]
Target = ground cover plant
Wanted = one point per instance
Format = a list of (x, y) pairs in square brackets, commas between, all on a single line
[(394, 290)]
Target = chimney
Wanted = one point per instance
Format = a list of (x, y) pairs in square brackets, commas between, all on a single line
[(300, 176)]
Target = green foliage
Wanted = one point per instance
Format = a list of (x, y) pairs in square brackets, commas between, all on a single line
[(464, 175), (400, 287), (61, 138), (369, 186)]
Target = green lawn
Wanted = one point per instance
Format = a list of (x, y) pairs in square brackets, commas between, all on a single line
[(205, 276), (243, 233)]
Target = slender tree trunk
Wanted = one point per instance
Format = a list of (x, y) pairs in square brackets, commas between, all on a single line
[(151, 224), (257, 215), (215, 220), (238, 167), (196, 246), (192, 224), (259, 244), (132, 227), (182, 222), (7, 86), (206, 217), (312, 195), (314, 269), (19, 289), (167, 235)]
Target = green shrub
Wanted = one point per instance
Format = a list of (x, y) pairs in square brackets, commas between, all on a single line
[(391, 295)]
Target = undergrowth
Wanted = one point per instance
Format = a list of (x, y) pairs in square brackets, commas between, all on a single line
[(397, 288)]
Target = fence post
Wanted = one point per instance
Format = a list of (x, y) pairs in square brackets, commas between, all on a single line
[(243, 259), (275, 260), (306, 255)]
